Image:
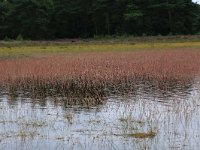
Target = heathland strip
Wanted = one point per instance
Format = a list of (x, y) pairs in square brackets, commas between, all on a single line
[(94, 74), (29, 49)]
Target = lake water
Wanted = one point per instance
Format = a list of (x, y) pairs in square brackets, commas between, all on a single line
[(173, 114)]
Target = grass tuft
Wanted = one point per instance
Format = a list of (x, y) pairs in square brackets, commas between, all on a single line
[(150, 134)]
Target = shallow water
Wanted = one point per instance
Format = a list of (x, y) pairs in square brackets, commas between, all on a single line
[(172, 114)]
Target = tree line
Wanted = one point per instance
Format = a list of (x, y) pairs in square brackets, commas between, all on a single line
[(56, 19)]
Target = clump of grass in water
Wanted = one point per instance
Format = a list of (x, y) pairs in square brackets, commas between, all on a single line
[(141, 135), (69, 118)]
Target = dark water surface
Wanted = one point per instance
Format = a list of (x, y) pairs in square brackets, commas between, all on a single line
[(173, 114)]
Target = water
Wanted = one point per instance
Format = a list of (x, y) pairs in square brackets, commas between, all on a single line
[(173, 114)]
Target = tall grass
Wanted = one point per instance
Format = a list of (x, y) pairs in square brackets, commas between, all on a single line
[(93, 74)]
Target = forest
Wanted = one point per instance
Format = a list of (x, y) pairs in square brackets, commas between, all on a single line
[(59, 19)]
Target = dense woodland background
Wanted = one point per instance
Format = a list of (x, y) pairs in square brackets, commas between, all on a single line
[(56, 19)]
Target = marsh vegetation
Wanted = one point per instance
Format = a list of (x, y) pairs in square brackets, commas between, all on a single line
[(100, 96)]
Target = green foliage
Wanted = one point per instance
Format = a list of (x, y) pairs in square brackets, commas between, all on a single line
[(133, 13), (6, 39), (4, 10), (19, 37), (54, 19)]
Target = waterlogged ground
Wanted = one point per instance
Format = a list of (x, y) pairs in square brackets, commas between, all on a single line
[(145, 119)]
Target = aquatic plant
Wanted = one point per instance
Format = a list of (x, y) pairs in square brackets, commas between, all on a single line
[(95, 74), (150, 134)]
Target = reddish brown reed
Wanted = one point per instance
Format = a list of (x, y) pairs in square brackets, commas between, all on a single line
[(90, 74)]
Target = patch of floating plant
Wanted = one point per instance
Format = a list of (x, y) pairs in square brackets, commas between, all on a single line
[(142, 135), (4, 122), (34, 124), (127, 119), (21, 134)]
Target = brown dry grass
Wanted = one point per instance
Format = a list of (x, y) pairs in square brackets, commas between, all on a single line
[(90, 74)]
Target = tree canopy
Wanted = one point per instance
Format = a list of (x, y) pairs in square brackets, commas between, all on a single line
[(55, 19)]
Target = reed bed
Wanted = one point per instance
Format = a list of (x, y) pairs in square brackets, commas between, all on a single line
[(95, 74)]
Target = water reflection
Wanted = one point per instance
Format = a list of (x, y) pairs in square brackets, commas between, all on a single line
[(51, 123)]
